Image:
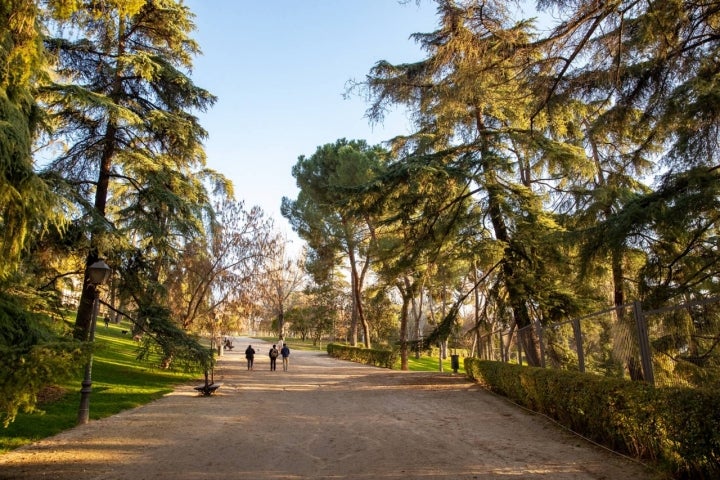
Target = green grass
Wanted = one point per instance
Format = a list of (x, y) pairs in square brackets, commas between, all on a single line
[(120, 382), (430, 364)]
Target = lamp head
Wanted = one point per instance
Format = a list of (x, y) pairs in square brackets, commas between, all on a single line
[(99, 272)]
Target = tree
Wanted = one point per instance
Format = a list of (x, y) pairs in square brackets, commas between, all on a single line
[(217, 272), (34, 350), (652, 84), (123, 105), (418, 209), (281, 278), (27, 204), (314, 313), (649, 103), (471, 99), (383, 314), (325, 217)]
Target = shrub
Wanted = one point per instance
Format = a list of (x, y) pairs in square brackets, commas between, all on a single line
[(679, 428), (368, 356)]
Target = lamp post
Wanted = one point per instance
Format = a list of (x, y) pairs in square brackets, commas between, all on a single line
[(98, 273)]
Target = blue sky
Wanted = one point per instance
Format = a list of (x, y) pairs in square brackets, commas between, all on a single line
[(280, 68)]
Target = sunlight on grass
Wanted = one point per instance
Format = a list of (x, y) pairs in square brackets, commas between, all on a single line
[(120, 382), (430, 364)]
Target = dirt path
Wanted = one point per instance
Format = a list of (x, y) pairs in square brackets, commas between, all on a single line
[(322, 419)]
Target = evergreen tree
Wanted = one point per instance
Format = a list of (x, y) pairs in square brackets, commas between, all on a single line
[(651, 80), (327, 216), (472, 100), (34, 352), (123, 105), (27, 205), (651, 104)]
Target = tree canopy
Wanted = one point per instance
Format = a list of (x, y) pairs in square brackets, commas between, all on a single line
[(558, 162)]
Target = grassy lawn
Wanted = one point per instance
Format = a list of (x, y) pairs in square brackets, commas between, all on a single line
[(120, 382), (430, 364)]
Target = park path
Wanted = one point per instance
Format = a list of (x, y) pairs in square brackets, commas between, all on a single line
[(323, 419)]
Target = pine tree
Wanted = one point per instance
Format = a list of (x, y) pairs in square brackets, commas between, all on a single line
[(123, 104), (26, 202), (327, 216), (33, 351), (473, 98)]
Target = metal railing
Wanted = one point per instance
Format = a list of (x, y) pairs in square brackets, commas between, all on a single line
[(677, 345)]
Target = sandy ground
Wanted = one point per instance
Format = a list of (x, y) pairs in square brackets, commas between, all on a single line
[(322, 419)]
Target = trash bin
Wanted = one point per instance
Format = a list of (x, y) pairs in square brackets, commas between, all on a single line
[(455, 362)]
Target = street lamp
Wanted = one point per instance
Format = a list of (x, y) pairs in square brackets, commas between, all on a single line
[(98, 274)]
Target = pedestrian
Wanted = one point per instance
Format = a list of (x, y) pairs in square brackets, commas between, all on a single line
[(285, 352), (250, 355), (273, 357)]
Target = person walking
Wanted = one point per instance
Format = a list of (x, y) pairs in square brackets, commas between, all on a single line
[(273, 357), (250, 355), (285, 352)]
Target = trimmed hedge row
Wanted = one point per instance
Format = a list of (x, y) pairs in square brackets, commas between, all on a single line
[(677, 428), (368, 356)]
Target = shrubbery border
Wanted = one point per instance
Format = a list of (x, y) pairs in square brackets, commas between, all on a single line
[(368, 356), (677, 428)]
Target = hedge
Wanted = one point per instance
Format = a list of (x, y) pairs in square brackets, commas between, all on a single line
[(368, 356), (676, 428)]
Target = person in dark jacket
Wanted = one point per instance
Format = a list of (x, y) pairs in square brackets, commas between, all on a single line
[(250, 355), (273, 357), (285, 352)]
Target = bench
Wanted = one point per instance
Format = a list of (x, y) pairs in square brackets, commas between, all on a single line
[(208, 389)]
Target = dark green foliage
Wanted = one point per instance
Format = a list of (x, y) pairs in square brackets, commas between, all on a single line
[(120, 99), (120, 382), (34, 355), (311, 322), (679, 428), (124, 103), (329, 214), (26, 204), (368, 356), (173, 344), (445, 328)]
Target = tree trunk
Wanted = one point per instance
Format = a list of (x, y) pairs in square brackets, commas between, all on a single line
[(477, 338), (632, 363), (84, 316), (87, 297), (516, 294), (403, 333), (353, 323), (281, 321), (406, 292), (358, 312), (417, 308)]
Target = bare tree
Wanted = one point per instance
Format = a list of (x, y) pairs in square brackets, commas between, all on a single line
[(282, 276), (214, 283)]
